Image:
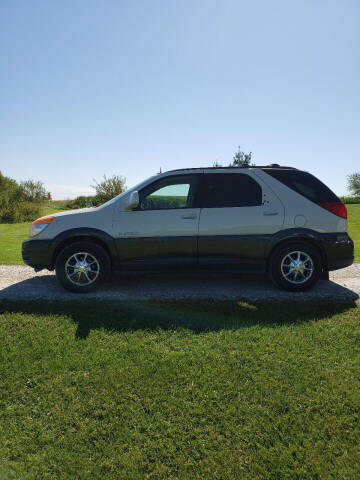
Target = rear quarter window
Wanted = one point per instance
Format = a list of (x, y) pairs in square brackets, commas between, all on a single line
[(305, 184)]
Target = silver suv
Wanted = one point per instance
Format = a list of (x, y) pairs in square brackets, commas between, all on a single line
[(272, 219)]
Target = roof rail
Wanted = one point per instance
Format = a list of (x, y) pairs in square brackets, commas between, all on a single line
[(272, 165), (275, 165)]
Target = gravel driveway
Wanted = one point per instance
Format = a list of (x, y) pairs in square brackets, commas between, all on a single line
[(21, 282)]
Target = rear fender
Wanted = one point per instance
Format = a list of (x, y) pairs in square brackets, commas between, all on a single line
[(292, 234)]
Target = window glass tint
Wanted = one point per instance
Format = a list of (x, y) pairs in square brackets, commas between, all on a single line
[(232, 190), (168, 193), (305, 184)]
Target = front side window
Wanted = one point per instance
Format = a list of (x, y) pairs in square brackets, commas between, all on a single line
[(231, 190), (169, 193)]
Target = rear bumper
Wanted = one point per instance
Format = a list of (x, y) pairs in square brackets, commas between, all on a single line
[(38, 254), (339, 250)]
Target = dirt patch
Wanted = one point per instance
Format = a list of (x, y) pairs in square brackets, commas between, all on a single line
[(21, 282)]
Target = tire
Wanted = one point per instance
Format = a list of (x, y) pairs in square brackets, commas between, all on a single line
[(294, 272), (85, 272)]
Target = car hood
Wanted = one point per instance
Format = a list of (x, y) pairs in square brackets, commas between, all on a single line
[(71, 212)]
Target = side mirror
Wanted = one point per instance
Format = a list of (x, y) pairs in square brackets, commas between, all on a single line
[(133, 200)]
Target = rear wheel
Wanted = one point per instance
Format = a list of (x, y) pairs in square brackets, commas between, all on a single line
[(82, 267), (295, 266)]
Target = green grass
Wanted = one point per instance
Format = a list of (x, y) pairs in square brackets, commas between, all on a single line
[(12, 235), (179, 390), (354, 227)]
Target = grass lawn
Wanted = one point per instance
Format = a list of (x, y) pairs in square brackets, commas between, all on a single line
[(180, 390), (12, 235), (354, 228)]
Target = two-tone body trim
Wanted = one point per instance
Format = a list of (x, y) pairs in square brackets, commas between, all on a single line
[(232, 252)]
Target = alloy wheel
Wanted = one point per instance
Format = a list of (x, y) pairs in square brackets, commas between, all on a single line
[(82, 268), (297, 267)]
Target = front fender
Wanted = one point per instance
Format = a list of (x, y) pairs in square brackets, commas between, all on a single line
[(83, 233)]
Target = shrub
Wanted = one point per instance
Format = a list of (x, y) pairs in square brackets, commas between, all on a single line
[(18, 212), (109, 188), (27, 212), (9, 189), (82, 202), (354, 183), (33, 191), (13, 205), (350, 200), (10, 195)]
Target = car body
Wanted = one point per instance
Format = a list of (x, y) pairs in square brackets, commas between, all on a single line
[(223, 219)]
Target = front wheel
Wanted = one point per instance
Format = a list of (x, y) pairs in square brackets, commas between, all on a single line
[(82, 267), (295, 266)]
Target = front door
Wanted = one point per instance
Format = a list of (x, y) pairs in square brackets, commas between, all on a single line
[(238, 217), (162, 231)]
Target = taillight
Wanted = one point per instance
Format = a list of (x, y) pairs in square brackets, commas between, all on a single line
[(337, 208)]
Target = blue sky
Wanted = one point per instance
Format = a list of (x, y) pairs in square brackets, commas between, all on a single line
[(111, 86)]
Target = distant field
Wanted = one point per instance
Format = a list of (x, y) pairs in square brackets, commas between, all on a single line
[(12, 235), (54, 207)]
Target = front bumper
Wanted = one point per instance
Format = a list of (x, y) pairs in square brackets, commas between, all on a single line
[(339, 250), (38, 254)]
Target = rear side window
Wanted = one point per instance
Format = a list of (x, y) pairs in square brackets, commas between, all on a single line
[(304, 183), (231, 190)]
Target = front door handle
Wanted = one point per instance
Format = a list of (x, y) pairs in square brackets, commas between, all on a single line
[(188, 217), (270, 212)]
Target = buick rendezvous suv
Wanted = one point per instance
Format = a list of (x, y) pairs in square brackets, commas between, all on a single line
[(275, 220)]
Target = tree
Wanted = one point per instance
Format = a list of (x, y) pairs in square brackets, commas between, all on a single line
[(354, 183), (109, 188), (33, 191), (241, 159)]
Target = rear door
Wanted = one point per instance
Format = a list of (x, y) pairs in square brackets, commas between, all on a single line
[(238, 217)]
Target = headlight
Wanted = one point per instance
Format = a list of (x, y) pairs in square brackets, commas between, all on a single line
[(39, 225)]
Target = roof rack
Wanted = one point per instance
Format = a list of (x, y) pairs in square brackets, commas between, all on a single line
[(275, 165), (272, 165)]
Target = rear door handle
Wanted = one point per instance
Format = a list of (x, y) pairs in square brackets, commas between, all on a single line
[(270, 212), (188, 217)]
